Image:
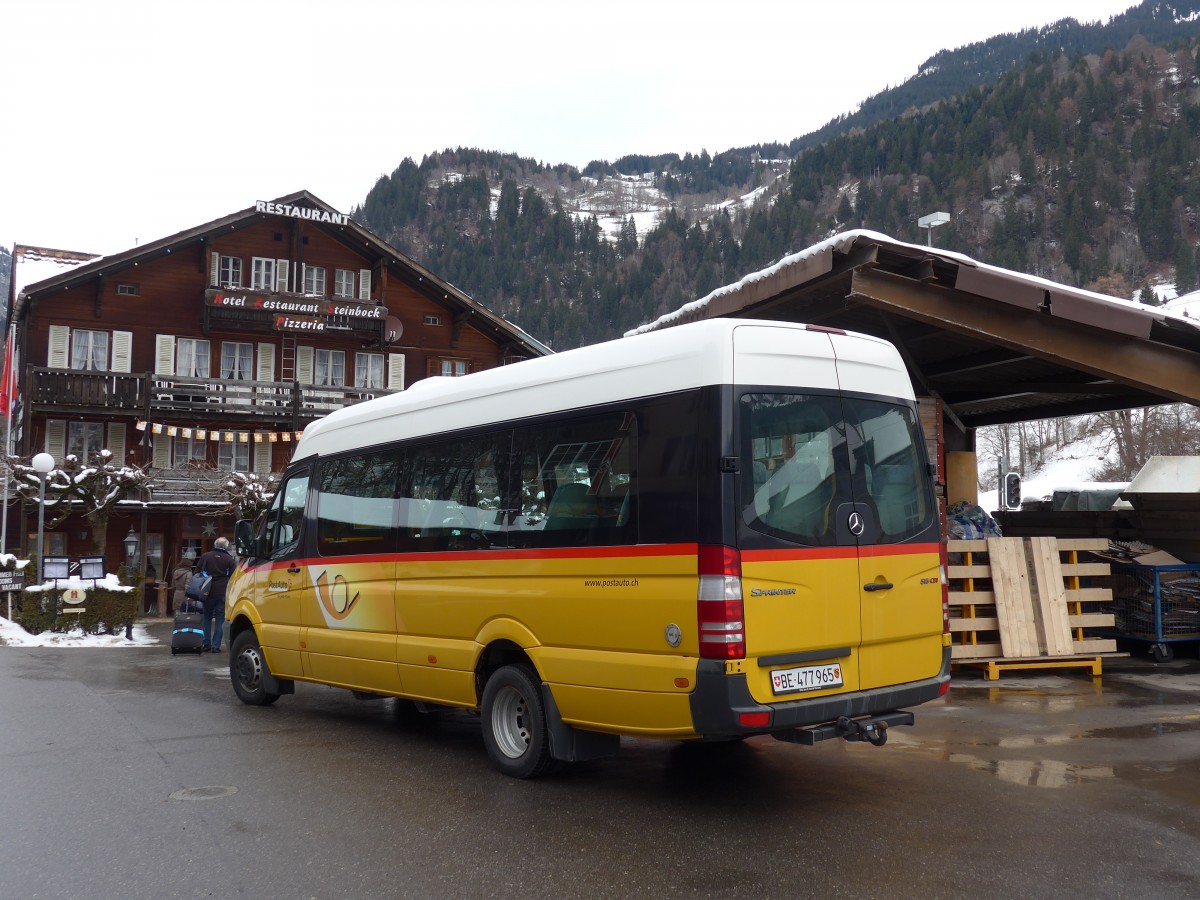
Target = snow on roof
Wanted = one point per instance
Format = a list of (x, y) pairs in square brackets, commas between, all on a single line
[(837, 242), (841, 242), (34, 264)]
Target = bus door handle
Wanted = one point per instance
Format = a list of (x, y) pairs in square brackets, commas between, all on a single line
[(878, 586), (295, 570)]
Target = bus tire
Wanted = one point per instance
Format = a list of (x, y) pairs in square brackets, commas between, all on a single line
[(247, 668), (514, 723)]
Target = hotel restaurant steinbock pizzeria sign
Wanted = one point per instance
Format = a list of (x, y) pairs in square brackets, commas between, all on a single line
[(294, 312)]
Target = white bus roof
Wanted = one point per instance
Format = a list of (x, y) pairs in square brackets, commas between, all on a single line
[(661, 362)]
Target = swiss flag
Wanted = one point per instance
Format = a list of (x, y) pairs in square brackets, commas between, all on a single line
[(8, 391)]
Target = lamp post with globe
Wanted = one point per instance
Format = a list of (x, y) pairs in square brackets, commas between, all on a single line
[(43, 464)]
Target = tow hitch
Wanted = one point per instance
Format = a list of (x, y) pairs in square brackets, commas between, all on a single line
[(868, 728)]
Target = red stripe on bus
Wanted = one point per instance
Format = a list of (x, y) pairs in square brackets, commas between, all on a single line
[(545, 553), (818, 553), (899, 549)]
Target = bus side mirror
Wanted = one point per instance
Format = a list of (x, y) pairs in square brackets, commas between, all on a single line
[(1012, 491), (244, 539)]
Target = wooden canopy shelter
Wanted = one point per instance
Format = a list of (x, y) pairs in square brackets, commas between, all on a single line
[(995, 346)]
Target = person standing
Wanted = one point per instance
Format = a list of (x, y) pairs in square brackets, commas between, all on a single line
[(180, 576), (219, 564)]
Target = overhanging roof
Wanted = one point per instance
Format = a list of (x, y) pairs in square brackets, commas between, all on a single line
[(996, 346)]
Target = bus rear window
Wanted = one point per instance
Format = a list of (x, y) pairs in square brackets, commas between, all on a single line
[(812, 454)]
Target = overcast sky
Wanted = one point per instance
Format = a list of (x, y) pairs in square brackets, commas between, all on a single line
[(127, 121)]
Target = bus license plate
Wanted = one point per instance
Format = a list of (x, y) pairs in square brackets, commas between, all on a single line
[(807, 678)]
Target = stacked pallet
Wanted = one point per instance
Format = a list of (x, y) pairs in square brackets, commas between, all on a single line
[(1022, 603)]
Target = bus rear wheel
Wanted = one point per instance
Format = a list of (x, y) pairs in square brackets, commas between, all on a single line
[(514, 723), (248, 670)]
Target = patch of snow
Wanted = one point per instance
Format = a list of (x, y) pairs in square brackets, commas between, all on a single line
[(109, 582), (13, 635)]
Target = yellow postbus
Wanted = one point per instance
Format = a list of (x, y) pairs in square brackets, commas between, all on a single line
[(714, 531)]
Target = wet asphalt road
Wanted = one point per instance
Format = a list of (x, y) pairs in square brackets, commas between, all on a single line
[(129, 773)]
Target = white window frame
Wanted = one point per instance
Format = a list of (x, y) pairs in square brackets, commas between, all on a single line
[(86, 355), (231, 272), (193, 357), (343, 283), (231, 453), (262, 274), (237, 361), (368, 370), (86, 434), (314, 280), (329, 368), (189, 449), (453, 368)]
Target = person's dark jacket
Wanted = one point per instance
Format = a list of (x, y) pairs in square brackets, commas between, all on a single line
[(220, 565)]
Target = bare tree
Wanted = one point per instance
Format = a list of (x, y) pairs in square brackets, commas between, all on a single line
[(1138, 434), (93, 488)]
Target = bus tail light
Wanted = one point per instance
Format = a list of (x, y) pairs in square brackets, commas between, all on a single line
[(944, 559), (720, 611)]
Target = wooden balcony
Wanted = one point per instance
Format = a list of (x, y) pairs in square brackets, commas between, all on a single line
[(158, 397)]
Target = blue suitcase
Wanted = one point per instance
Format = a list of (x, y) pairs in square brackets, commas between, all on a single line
[(187, 634)]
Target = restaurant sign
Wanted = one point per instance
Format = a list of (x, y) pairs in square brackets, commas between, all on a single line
[(294, 312)]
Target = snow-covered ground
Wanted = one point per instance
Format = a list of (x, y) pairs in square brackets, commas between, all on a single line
[(14, 635), (1068, 468)]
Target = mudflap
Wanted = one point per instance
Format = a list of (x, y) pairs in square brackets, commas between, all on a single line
[(872, 729), (571, 744)]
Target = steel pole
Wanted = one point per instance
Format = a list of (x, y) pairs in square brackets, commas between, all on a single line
[(41, 528)]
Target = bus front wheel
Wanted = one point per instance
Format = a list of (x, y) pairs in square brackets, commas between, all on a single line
[(514, 723), (248, 670)]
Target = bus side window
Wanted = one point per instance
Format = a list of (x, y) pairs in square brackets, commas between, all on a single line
[(286, 515), (453, 498), (577, 483), (356, 504)]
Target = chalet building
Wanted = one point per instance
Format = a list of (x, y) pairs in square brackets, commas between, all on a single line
[(208, 352)]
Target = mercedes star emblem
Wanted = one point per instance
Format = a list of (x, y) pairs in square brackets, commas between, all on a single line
[(856, 524)]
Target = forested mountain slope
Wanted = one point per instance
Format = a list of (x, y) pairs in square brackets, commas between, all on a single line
[(1083, 167)]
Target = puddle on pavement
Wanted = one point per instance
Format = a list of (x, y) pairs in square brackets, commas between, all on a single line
[(1042, 773), (1145, 730), (1057, 773)]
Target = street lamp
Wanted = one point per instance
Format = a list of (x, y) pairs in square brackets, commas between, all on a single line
[(932, 221), (43, 464), (131, 545)]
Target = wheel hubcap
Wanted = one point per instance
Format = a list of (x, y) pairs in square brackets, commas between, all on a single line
[(249, 669), (510, 723)]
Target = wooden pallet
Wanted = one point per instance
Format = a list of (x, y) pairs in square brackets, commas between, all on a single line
[(1018, 603)]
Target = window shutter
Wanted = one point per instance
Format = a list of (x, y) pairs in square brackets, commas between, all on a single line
[(214, 269), (266, 362), (396, 371), (162, 451), (364, 284), (304, 365), (262, 458), (116, 442), (56, 439), (164, 354), (60, 345), (122, 348), (281, 275)]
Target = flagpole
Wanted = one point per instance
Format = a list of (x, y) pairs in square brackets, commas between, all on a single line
[(8, 405)]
